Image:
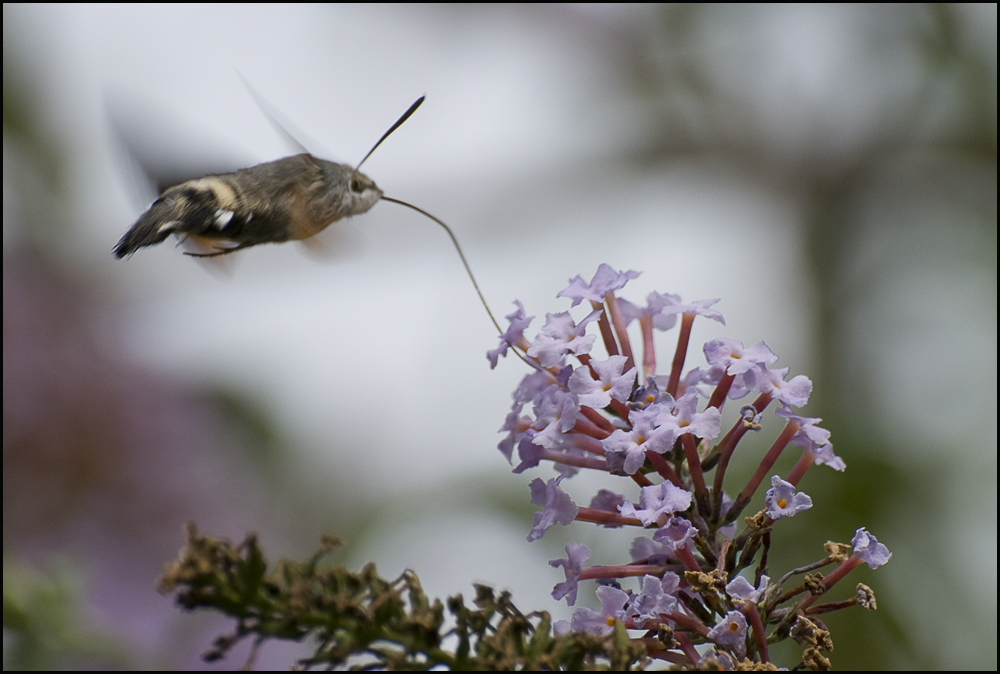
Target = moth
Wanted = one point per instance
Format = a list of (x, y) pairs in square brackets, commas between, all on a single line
[(285, 200)]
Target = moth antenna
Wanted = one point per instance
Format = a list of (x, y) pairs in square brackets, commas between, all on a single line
[(406, 116), (281, 123), (454, 240)]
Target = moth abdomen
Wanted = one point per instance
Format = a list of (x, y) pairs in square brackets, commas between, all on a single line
[(205, 207)]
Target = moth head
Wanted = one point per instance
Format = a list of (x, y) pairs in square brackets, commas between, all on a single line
[(364, 192), (347, 191)]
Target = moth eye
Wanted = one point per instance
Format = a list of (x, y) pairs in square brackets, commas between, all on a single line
[(357, 185)]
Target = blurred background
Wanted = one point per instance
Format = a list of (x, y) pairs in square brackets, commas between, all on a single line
[(828, 172)]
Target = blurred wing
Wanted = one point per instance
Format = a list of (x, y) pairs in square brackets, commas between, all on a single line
[(339, 241), (155, 152)]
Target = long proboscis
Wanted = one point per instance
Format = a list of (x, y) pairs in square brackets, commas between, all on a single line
[(399, 122), (468, 269)]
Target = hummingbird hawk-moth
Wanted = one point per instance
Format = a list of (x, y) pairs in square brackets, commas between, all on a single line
[(285, 200)]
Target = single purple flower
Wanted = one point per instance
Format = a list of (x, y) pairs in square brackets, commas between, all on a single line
[(809, 436), (793, 392), (735, 357), (750, 415), (656, 304), (556, 412), (628, 448), (813, 438), (612, 383), (699, 308), (559, 507), (656, 598), (731, 632), (675, 535), (655, 500), (512, 335), (825, 456), (649, 394), (869, 550), (576, 554), (781, 500), (560, 336), (605, 280), (685, 419), (741, 589), (602, 623)]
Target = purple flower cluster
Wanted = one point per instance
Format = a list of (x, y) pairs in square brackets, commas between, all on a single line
[(663, 434)]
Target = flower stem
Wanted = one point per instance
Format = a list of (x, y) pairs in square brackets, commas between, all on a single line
[(680, 354)]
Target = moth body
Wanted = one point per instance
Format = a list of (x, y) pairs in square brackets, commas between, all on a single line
[(285, 200)]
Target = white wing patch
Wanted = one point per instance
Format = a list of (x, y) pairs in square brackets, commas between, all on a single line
[(223, 218)]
